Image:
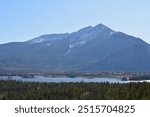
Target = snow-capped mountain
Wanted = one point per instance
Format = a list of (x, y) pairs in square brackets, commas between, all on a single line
[(97, 48)]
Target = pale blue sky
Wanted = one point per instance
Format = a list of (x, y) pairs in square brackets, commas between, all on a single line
[(21, 20)]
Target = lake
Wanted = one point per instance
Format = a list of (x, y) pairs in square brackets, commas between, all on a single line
[(63, 79), (42, 79)]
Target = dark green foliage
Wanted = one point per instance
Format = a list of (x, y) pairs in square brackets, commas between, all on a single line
[(68, 91), (144, 77)]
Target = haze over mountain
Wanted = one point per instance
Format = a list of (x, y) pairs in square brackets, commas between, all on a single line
[(97, 48)]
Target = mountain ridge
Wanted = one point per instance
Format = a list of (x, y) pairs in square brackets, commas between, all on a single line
[(97, 48)]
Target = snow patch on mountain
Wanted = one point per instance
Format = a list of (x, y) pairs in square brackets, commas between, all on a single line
[(82, 42), (48, 44), (38, 40), (67, 52), (71, 46), (112, 32), (77, 44), (49, 38)]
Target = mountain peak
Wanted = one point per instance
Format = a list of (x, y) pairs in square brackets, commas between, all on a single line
[(82, 33), (102, 27), (96, 48), (96, 29)]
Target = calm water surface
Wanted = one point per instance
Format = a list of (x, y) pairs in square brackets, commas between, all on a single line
[(63, 79)]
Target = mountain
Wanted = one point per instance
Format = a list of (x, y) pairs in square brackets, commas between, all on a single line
[(97, 48)]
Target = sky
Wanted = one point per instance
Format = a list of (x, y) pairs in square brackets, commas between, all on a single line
[(21, 20)]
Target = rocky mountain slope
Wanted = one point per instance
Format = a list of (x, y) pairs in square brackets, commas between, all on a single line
[(97, 48)]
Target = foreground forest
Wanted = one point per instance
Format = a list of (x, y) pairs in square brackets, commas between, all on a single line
[(13, 90)]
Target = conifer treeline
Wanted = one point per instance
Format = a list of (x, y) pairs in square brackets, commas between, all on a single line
[(82, 91)]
